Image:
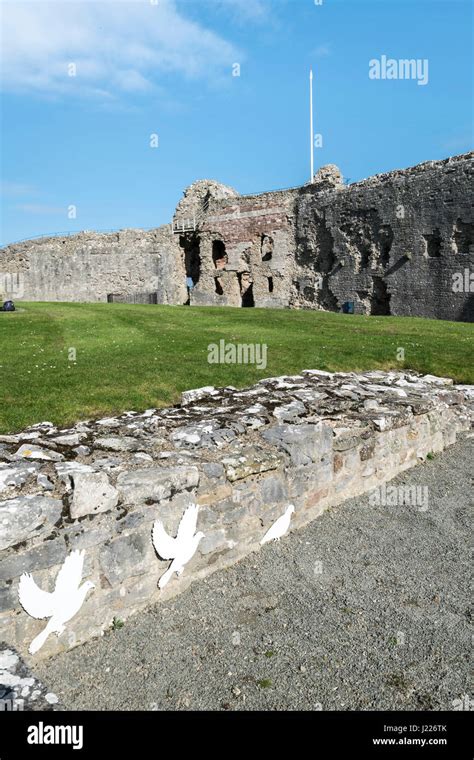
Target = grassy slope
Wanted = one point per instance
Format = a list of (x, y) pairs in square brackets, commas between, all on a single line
[(134, 357)]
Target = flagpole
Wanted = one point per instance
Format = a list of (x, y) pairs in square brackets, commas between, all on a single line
[(311, 121)]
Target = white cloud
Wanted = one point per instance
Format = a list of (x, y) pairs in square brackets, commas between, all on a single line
[(116, 46), (40, 208), (16, 189)]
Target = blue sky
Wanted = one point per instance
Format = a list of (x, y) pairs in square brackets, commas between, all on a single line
[(166, 68)]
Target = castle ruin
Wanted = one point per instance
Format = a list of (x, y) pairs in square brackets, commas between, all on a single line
[(400, 243)]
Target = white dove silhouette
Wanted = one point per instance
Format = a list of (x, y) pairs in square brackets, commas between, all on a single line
[(279, 527), (179, 549), (62, 604)]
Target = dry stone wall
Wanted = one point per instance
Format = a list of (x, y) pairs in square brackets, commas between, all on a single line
[(310, 440)]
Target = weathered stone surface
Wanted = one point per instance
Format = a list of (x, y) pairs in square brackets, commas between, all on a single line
[(115, 443), (250, 461), (44, 482), (83, 536), (187, 397), (348, 434), (22, 517), (141, 455), (66, 470), (69, 439), (351, 247), (289, 412), (328, 176), (155, 483), (213, 541), (82, 451), (349, 438), (92, 494), (48, 554), (108, 422), (217, 493), (19, 687), (213, 470), (304, 443), (31, 451), (8, 597), (274, 490), (126, 556), (16, 474), (108, 464)]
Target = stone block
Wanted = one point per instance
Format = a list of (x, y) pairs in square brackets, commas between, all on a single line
[(155, 483), (250, 461), (93, 494), (213, 541), (25, 516), (127, 556), (47, 554), (304, 443)]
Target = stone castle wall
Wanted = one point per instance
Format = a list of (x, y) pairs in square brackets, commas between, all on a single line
[(391, 244), (91, 266), (310, 440)]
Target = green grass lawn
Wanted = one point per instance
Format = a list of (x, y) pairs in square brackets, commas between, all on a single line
[(134, 357)]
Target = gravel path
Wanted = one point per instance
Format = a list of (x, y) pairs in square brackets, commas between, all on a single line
[(366, 608)]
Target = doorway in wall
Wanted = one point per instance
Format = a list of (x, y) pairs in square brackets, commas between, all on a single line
[(246, 289), (247, 297), (380, 300), (192, 256)]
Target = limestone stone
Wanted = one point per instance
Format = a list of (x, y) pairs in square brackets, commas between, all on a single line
[(304, 443), (68, 439), (8, 597), (437, 380), (93, 493), (196, 394), (349, 438), (31, 451), (82, 536), (24, 516), (66, 470), (140, 455), (47, 554), (274, 490), (118, 443), (250, 461), (44, 482), (289, 412), (82, 451), (16, 474), (126, 556), (213, 470), (155, 483), (212, 541)]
